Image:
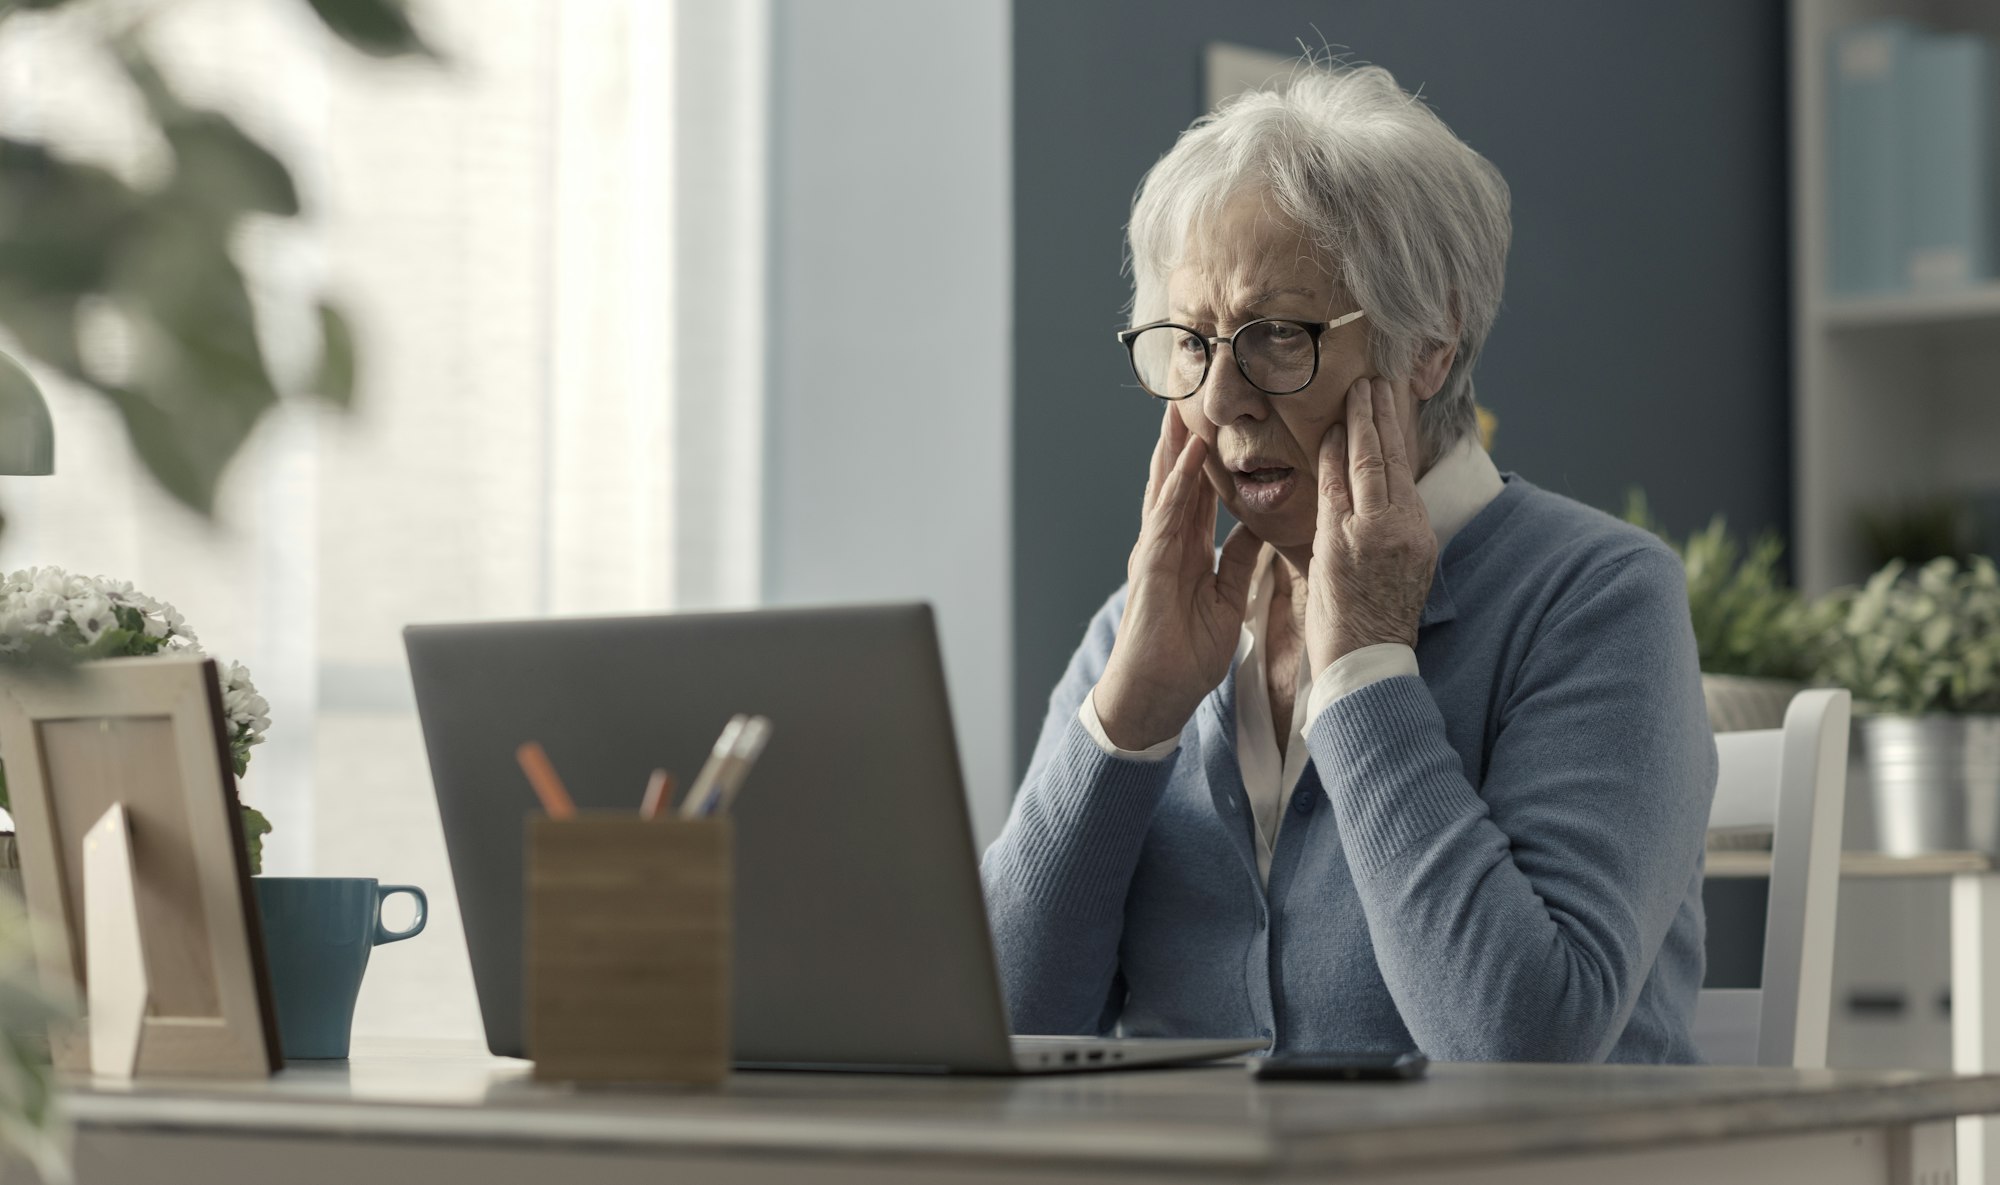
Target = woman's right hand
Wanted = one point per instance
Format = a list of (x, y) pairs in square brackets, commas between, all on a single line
[(1183, 609)]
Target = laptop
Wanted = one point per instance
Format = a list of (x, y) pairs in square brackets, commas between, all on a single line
[(861, 933)]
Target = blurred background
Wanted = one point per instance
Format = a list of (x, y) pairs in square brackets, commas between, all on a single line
[(664, 304)]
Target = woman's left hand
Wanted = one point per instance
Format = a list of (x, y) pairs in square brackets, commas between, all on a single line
[(1374, 550)]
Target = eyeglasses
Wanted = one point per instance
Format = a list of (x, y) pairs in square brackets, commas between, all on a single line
[(1278, 356)]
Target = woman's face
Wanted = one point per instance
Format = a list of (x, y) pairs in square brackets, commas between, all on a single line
[(1264, 449)]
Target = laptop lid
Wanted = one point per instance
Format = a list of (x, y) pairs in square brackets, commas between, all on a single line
[(861, 934)]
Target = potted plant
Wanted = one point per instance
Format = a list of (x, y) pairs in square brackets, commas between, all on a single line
[(1920, 650), (1759, 641), (48, 613)]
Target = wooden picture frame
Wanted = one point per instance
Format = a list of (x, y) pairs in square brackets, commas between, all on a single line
[(148, 734)]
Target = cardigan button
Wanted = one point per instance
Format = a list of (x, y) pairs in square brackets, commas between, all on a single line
[(1302, 802)]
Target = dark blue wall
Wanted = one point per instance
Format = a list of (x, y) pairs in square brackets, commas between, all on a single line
[(1643, 340)]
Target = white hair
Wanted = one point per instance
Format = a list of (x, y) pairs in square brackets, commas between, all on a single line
[(1413, 222)]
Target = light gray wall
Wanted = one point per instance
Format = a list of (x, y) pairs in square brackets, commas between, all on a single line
[(889, 414), (1644, 334)]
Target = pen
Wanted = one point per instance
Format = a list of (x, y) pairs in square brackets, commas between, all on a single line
[(659, 792), (542, 776), (749, 746), (697, 802)]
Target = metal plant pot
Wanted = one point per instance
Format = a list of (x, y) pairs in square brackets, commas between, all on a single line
[(1935, 782)]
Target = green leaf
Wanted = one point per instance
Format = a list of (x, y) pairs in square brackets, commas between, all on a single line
[(334, 376), (220, 170), (61, 223), (255, 828), (45, 328), (154, 437), (110, 644), (380, 28), (1746, 620), (200, 383), (193, 313), (230, 170), (1937, 633), (186, 453)]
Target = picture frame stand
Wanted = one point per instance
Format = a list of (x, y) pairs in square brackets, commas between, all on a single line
[(114, 946)]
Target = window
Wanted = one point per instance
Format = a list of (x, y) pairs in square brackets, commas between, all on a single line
[(504, 231)]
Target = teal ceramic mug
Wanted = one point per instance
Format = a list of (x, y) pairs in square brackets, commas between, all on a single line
[(318, 932)]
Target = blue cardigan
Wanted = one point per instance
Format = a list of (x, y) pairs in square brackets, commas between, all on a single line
[(1500, 859)]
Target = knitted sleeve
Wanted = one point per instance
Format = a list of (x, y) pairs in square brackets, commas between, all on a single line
[(1056, 878), (1518, 919)]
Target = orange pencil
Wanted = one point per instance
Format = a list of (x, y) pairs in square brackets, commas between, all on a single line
[(542, 776), (659, 792)]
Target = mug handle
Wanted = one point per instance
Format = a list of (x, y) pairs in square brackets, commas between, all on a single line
[(382, 894)]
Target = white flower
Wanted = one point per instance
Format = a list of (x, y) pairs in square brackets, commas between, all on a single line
[(247, 711), (91, 611), (43, 611), (176, 624), (41, 601)]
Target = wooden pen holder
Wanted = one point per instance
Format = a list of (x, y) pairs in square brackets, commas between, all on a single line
[(628, 949)]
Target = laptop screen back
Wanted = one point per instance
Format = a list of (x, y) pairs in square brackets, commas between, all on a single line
[(861, 935)]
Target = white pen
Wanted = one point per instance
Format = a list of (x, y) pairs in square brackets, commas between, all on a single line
[(749, 746), (696, 804)]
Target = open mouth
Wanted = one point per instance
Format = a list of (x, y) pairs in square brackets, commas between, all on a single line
[(1263, 487)]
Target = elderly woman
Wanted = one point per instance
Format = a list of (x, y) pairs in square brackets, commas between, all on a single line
[(1420, 759)]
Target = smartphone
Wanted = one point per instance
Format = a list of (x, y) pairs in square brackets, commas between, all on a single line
[(1341, 1067)]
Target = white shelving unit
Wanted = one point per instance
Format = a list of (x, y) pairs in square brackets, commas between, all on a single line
[(1895, 397), (1907, 310)]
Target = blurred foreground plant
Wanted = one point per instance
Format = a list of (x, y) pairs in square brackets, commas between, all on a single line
[(151, 265), (84, 251), (31, 1121)]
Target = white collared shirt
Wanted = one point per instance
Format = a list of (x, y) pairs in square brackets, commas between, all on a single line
[(1453, 490)]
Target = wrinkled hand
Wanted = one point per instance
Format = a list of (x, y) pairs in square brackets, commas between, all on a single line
[(1183, 609), (1374, 550)]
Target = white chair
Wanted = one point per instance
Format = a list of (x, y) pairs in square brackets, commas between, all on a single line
[(1793, 780)]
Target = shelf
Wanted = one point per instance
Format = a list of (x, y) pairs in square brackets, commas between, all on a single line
[(1894, 309), (1873, 865)]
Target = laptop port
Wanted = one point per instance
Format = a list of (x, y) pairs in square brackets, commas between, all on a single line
[(1069, 1057), (1095, 1055)]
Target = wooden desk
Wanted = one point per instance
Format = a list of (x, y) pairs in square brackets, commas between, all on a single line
[(442, 1114)]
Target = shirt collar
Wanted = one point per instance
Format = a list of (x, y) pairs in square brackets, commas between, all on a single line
[(1457, 487)]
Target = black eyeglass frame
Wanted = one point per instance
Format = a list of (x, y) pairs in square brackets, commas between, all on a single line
[(1313, 329)]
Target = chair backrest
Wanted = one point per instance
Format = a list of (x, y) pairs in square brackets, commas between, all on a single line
[(1793, 779)]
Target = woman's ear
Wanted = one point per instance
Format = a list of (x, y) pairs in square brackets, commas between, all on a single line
[(1432, 369), (1434, 366)]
